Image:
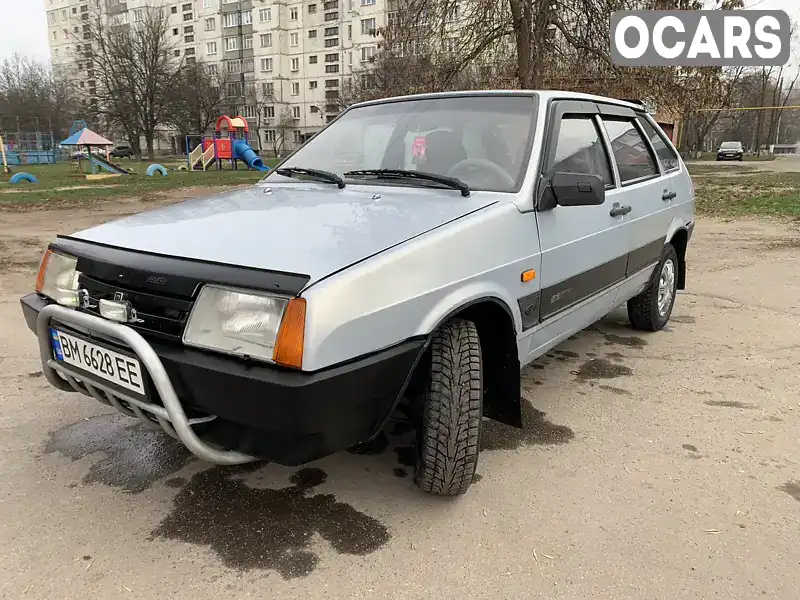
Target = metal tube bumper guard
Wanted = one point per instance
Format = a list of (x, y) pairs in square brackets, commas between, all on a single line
[(245, 409), (171, 417)]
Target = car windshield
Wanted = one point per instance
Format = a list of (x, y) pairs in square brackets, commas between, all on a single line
[(483, 141), (731, 145)]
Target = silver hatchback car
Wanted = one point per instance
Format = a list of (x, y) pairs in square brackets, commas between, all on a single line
[(423, 247)]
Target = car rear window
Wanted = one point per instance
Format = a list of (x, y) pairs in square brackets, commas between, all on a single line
[(665, 153), (632, 154)]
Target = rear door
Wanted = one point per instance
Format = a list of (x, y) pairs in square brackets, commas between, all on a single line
[(642, 188), (584, 252)]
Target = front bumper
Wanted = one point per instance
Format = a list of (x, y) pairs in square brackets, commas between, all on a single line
[(729, 156), (228, 411)]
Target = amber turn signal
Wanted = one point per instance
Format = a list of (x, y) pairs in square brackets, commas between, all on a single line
[(529, 275), (42, 270), (289, 344)]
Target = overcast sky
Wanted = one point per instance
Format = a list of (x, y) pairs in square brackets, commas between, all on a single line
[(23, 27)]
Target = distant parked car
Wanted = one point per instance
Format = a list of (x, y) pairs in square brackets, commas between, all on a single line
[(730, 151), (122, 150)]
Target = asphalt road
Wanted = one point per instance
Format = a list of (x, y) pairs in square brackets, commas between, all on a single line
[(651, 466)]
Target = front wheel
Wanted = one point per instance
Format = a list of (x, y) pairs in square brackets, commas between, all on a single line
[(452, 409), (650, 310)]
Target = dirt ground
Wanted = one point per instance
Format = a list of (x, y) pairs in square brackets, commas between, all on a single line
[(651, 466)]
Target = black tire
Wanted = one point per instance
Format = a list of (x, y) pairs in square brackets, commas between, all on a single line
[(448, 440), (643, 310)]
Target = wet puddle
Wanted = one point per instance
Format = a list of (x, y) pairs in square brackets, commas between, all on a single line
[(133, 457), (270, 529), (599, 368)]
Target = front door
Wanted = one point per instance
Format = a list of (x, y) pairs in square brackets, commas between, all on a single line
[(584, 249)]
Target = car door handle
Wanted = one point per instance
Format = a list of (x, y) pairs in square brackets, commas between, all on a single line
[(618, 211), (668, 195)]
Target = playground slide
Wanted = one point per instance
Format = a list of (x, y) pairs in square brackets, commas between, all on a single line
[(108, 166), (243, 151)]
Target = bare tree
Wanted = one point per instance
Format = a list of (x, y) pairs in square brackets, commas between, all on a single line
[(34, 98), (137, 67), (261, 99), (197, 98), (283, 128)]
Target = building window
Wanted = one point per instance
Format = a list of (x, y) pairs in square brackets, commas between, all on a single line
[(295, 64), (188, 29), (188, 16), (187, 6), (392, 18), (138, 15), (331, 68), (312, 34), (293, 14), (294, 39), (189, 52), (265, 14), (331, 42), (313, 109), (231, 43), (213, 69), (247, 18), (312, 60), (248, 41), (268, 88), (266, 40), (368, 26), (312, 85), (266, 66), (234, 66), (295, 88), (188, 39), (235, 89), (296, 112), (177, 53), (209, 3), (249, 112), (367, 2), (367, 53), (349, 32), (312, 8), (51, 17), (331, 83), (211, 24), (331, 31), (332, 4), (332, 16), (329, 58), (269, 136), (269, 112), (298, 135), (232, 20), (173, 10), (175, 31), (249, 88)]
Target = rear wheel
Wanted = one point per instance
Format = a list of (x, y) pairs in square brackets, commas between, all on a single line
[(650, 310), (452, 409)]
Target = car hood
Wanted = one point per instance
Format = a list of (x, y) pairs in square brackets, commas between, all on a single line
[(309, 229)]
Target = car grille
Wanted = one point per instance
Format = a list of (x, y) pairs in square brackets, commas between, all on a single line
[(163, 317)]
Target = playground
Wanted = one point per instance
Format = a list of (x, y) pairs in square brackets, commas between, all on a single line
[(57, 186), (89, 173)]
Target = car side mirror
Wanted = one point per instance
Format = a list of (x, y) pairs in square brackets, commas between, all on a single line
[(578, 189)]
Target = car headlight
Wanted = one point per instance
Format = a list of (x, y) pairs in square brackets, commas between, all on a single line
[(58, 278), (248, 323)]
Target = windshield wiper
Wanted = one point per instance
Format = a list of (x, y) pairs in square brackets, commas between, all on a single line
[(451, 182), (316, 173)]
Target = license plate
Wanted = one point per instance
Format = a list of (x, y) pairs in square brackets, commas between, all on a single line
[(101, 362)]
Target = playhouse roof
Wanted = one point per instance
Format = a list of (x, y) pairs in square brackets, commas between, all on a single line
[(232, 123), (86, 137)]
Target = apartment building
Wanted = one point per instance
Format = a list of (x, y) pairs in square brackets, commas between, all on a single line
[(296, 53)]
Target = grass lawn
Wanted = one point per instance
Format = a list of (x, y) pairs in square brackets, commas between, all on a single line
[(60, 185), (757, 194)]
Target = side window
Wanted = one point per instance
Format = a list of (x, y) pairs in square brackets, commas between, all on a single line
[(580, 149), (665, 153), (634, 159)]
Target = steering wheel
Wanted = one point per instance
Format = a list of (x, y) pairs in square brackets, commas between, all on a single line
[(476, 169)]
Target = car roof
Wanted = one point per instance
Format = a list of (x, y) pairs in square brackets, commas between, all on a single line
[(543, 95)]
